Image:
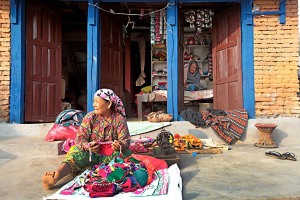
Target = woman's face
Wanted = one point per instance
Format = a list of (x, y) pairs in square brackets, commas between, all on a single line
[(101, 106), (193, 68)]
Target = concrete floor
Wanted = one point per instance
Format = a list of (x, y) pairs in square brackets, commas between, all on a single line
[(244, 172)]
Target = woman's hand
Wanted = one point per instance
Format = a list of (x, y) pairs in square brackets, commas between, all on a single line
[(94, 147), (116, 145)]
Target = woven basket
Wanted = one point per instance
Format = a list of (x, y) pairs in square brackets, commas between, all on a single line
[(266, 127), (265, 131)]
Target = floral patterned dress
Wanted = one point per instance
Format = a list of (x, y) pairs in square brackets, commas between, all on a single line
[(96, 128)]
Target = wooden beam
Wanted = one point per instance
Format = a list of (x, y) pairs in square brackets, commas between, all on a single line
[(281, 12), (14, 5), (93, 52), (248, 58), (172, 59), (17, 87)]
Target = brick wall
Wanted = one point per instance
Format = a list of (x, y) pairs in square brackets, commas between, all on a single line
[(275, 61), (4, 59)]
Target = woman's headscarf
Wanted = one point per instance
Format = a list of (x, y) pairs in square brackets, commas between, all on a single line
[(109, 95), (193, 77), (192, 62)]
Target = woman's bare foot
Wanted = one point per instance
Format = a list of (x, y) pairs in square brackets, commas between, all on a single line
[(50, 179)]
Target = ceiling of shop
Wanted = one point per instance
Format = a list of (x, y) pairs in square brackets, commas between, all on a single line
[(207, 5), (126, 7), (75, 12)]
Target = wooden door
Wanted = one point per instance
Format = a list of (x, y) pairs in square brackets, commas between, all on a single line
[(43, 62), (112, 54), (226, 54)]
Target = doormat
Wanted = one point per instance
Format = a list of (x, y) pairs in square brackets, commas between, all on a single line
[(136, 128)]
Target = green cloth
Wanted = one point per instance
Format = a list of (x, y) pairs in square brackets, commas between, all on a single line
[(146, 89), (141, 176), (136, 128), (78, 159), (116, 175)]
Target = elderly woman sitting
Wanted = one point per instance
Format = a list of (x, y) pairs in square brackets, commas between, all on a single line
[(100, 138)]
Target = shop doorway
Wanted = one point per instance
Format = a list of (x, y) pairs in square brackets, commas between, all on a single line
[(210, 36), (134, 32), (55, 58), (74, 55)]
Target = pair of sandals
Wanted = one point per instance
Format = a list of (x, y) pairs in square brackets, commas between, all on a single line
[(284, 156)]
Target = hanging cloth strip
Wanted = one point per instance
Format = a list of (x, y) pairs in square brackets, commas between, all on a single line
[(140, 38)]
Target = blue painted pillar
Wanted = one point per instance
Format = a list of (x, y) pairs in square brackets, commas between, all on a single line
[(282, 11), (172, 59), (93, 52), (248, 57), (17, 75)]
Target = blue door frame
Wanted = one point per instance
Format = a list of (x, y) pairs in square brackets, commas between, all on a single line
[(93, 55)]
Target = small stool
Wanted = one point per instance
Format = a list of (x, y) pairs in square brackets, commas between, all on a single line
[(265, 131)]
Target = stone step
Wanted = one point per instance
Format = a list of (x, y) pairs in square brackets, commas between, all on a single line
[(7, 129), (28, 145), (21, 139), (18, 140)]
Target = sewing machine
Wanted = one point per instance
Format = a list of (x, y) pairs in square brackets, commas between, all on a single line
[(165, 149)]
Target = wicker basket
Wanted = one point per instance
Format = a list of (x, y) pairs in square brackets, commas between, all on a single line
[(265, 131)]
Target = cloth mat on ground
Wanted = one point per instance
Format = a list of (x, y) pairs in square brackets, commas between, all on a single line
[(230, 125), (136, 128), (152, 191)]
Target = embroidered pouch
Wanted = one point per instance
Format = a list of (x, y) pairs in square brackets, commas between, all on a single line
[(105, 149)]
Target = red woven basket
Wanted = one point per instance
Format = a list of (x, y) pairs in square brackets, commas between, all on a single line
[(266, 126)]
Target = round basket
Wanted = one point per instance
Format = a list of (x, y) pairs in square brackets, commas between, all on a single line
[(265, 130), (266, 127)]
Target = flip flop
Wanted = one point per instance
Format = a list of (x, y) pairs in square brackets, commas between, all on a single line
[(274, 154), (284, 156), (289, 156)]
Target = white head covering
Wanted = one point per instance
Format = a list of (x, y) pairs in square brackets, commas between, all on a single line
[(109, 95)]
